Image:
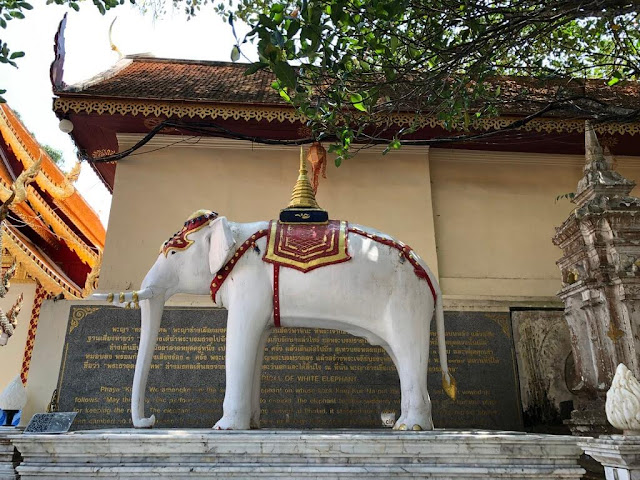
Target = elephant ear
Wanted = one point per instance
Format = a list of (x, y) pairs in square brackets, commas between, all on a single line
[(222, 244)]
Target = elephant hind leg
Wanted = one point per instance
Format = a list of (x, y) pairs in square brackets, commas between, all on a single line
[(403, 398), (254, 422), (411, 358)]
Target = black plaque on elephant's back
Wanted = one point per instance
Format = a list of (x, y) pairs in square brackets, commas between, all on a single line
[(311, 378)]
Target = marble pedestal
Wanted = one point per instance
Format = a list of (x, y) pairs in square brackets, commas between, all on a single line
[(330, 454), (619, 454), (7, 454)]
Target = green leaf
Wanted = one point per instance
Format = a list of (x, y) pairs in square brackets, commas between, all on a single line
[(235, 53), (285, 74), (293, 28), (254, 67), (76, 7), (15, 55), (277, 8), (356, 100), (394, 43), (283, 93), (616, 76)]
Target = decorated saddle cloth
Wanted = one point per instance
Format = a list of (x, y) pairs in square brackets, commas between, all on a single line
[(306, 246)]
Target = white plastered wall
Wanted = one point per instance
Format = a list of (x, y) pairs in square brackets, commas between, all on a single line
[(47, 356), (155, 193), (495, 215)]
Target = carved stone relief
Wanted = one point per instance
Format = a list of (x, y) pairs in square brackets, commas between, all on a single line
[(543, 349)]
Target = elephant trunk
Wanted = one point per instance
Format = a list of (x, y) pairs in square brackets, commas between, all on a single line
[(448, 382), (151, 315)]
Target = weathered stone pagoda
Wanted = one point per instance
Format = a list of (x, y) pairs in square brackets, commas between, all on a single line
[(601, 283)]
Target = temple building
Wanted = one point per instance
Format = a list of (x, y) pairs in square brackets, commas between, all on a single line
[(481, 213), (52, 236)]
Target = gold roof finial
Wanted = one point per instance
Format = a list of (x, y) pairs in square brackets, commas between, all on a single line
[(303, 196)]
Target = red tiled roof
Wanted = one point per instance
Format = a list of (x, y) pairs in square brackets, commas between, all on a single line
[(139, 77), (189, 80)]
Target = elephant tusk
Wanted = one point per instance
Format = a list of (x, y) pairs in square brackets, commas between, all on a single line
[(145, 293), (125, 299)]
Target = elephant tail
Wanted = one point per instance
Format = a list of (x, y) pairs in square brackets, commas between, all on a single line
[(125, 299), (448, 382)]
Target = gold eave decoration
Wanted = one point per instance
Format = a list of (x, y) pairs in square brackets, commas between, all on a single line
[(91, 283), (50, 280), (287, 114), (60, 228), (12, 137)]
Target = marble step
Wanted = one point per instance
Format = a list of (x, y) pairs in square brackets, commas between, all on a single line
[(303, 454)]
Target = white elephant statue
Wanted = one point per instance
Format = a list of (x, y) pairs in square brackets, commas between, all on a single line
[(377, 294)]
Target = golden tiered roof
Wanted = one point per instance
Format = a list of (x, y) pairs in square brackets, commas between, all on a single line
[(53, 211)]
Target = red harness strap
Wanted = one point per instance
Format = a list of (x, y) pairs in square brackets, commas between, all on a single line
[(224, 272), (405, 252), (276, 295)]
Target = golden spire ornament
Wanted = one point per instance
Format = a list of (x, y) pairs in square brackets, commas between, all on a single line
[(303, 207), (302, 195)]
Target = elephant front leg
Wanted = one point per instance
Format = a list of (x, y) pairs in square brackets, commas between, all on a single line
[(151, 316), (257, 377), (244, 333)]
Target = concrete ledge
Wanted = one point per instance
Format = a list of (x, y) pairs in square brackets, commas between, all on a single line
[(298, 454)]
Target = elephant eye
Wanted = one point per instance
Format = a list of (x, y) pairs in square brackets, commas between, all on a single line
[(173, 252)]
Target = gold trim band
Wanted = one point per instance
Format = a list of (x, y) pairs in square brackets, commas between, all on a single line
[(285, 114)]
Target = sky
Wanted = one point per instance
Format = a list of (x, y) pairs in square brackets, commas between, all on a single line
[(88, 52)]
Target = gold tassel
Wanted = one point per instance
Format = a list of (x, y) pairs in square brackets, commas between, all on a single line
[(449, 387)]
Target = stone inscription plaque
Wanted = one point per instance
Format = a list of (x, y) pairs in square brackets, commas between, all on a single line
[(58, 422), (310, 378), (481, 357)]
